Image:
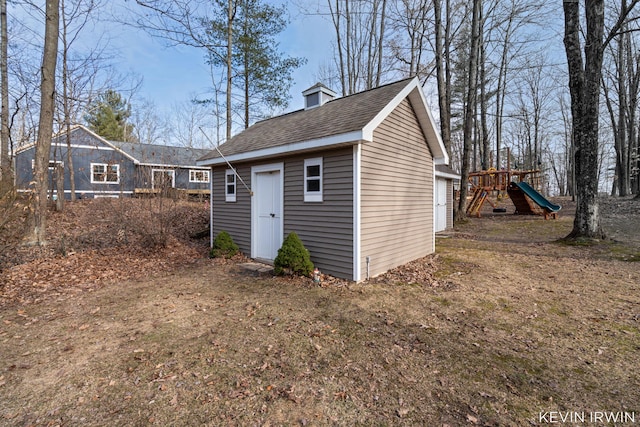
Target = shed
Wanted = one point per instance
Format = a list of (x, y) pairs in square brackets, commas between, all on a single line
[(353, 177), (447, 180)]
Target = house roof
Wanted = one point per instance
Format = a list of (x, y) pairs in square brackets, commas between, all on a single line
[(447, 171), (343, 121), (144, 154), (160, 155)]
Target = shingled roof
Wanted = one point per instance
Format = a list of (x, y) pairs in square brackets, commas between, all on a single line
[(161, 155), (339, 121)]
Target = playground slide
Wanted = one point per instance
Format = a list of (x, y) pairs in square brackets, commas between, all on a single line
[(538, 198)]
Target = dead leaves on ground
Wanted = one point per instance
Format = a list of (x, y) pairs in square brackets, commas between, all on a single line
[(30, 282), (92, 242)]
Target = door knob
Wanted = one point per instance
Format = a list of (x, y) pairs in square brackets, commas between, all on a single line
[(272, 215)]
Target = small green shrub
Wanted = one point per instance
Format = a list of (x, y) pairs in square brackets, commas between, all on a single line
[(223, 246), (293, 257)]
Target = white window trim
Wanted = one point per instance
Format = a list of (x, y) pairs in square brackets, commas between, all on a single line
[(313, 196), (106, 165), (228, 197), (193, 173), (169, 171), (52, 164)]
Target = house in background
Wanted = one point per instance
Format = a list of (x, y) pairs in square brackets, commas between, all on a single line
[(354, 177), (113, 169)]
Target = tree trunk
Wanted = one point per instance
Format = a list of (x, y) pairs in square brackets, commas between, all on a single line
[(246, 73), (482, 80), (36, 232), (442, 59), (59, 175), (470, 109), (6, 175), (229, 60), (65, 104), (584, 86), (383, 15)]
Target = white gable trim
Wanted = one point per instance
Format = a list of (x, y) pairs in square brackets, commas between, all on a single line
[(107, 145), (104, 141), (335, 140), (413, 91)]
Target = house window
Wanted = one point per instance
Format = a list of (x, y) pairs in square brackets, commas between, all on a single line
[(102, 173), (52, 164), (313, 180), (162, 179), (198, 176), (230, 185)]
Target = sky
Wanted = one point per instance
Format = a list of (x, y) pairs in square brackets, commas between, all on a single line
[(174, 74)]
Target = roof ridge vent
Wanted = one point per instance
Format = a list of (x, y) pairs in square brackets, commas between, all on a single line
[(317, 95)]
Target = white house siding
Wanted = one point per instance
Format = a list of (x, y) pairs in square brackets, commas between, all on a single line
[(396, 194), (325, 228), (233, 217)]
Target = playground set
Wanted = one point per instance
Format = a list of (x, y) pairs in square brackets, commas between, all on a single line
[(519, 186)]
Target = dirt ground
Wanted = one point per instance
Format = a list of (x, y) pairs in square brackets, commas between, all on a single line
[(503, 326)]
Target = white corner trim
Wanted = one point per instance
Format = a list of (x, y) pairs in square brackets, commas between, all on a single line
[(357, 158), (211, 201), (434, 199)]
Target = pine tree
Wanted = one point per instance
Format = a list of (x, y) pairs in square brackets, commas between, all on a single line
[(108, 116), (260, 70)]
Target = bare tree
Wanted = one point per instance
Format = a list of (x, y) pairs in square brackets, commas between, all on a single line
[(360, 36), (148, 127), (411, 24), (36, 233), (6, 176), (187, 119), (443, 66), (584, 87), (74, 16), (621, 87), (470, 108), (191, 24)]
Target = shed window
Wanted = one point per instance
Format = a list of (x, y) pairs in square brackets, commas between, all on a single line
[(102, 173), (313, 180), (198, 175), (230, 186)]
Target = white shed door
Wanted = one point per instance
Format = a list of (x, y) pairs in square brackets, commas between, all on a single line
[(441, 204), (268, 218)]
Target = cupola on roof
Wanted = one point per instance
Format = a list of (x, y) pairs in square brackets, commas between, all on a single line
[(317, 95)]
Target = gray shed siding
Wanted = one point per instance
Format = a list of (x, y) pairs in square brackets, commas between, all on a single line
[(325, 228), (233, 217), (397, 187)]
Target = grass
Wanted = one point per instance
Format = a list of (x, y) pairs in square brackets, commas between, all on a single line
[(519, 328)]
